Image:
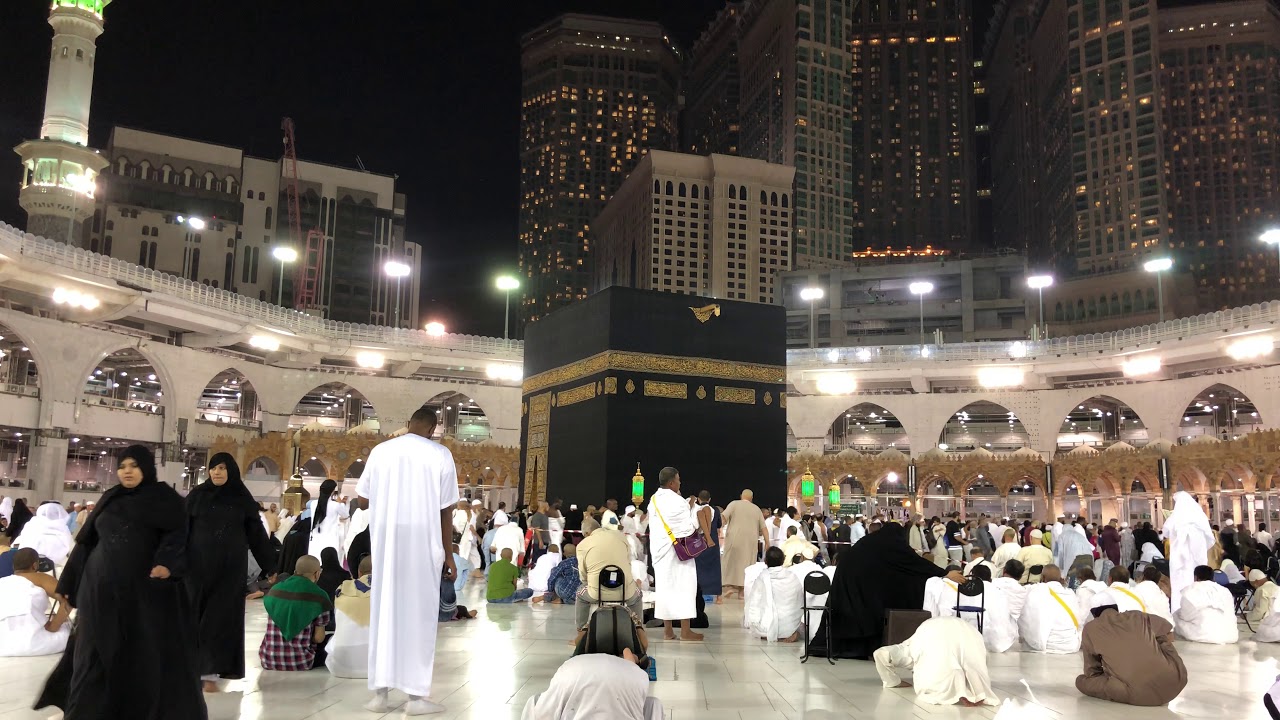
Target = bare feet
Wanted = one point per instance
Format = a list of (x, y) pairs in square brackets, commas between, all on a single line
[(794, 636), (210, 686), (720, 599), (903, 684), (668, 635), (966, 702), (254, 595), (537, 599), (473, 614), (690, 635)]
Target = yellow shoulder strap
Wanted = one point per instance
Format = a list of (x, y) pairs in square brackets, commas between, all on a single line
[(1135, 598), (1066, 607)]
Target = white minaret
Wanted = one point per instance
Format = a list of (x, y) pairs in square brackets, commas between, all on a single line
[(60, 168)]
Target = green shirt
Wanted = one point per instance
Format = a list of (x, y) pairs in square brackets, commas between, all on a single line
[(502, 580)]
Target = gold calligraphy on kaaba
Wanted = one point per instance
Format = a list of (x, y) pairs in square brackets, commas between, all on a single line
[(576, 395), (706, 312), (743, 396), (619, 360), (658, 388)]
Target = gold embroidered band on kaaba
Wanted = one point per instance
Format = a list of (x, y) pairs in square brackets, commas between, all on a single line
[(620, 360)]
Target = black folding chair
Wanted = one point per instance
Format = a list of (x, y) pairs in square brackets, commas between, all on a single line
[(972, 588), (816, 583), (1241, 594)]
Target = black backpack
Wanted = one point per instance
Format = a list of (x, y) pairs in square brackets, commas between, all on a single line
[(612, 628)]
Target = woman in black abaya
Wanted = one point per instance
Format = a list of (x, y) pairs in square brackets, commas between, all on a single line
[(19, 519), (133, 656), (224, 526), (881, 572)]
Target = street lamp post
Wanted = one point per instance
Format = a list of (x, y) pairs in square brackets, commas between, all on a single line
[(506, 284), (921, 288), (284, 255), (1040, 282), (1158, 266), (812, 295), (397, 270)]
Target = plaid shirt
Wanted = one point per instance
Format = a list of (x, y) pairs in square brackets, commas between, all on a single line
[(277, 653)]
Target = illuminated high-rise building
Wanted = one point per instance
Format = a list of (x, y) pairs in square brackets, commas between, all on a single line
[(59, 168), (710, 117), (596, 94), (1220, 113), (797, 110), (912, 123)]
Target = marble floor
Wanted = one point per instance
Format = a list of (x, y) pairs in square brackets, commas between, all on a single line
[(488, 668)]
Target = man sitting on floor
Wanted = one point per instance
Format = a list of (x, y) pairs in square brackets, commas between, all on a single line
[(502, 581), (348, 648), (775, 601), (297, 613), (977, 556), (940, 595), (1152, 597), (596, 552), (1015, 593), (1050, 621), (1265, 594), (1206, 611), (1035, 555), (796, 544), (25, 628), (1129, 656), (948, 664), (1089, 586), (999, 629), (1126, 599)]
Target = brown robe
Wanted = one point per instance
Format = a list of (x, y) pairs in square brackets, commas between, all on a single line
[(1129, 658), (743, 523)]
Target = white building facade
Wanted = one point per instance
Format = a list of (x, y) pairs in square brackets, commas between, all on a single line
[(714, 225)]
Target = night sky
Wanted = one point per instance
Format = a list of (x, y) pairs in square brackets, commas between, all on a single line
[(429, 91)]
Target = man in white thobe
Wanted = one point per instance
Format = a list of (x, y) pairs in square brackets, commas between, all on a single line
[(797, 545), (500, 515), (1008, 550), (1014, 591), (1050, 621), (857, 530), (1126, 599), (410, 486), (940, 595), (775, 602), (596, 685), (999, 628), (632, 529), (609, 518), (675, 580), (1148, 590), (1207, 611), (1189, 536), (1264, 538), (507, 537), (1088, 587), (26, 630), (947, 661)]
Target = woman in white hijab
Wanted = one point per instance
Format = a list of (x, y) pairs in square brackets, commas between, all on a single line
[(1150, 553), (1232, 572), (1189, 536), (47, 533), (6, 508)]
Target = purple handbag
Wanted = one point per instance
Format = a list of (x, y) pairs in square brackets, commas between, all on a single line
[(688, 547)]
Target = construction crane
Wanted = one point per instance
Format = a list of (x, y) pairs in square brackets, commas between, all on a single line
[(306, 280)]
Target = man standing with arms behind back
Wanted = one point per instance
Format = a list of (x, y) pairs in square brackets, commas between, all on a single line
[(410, 486)]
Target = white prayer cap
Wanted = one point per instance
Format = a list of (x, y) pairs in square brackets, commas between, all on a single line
[(1229, 522), (476, 502), (1124, 525), (859, 515), (1036, 534), (628, 509), (1255, 575), (499, 521), (1102, 599)]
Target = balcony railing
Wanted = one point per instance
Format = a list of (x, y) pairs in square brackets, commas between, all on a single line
[(23, 390), (1249, 317), (16, 242)]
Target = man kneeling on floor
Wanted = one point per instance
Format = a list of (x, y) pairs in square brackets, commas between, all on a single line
[(502, 581), (775, 601), (297, 613), (1129, 656), (948, 662)]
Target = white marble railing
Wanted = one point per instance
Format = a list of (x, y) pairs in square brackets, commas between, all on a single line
[(17, 242)]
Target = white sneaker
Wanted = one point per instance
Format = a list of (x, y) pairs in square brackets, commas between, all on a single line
[(422, 706), (379, 703)]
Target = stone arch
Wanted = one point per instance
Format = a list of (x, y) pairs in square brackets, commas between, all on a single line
[(1221, 410), (459, 416), (229, 397), (19, 365), (335, 405), (355, 469), (130, 378), (1150, 412), (1100, 421), (314, 467), (867, 426), (967, 483), (264, 464), (983, 423)]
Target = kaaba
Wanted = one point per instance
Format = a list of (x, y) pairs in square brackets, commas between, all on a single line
[(631, 378)]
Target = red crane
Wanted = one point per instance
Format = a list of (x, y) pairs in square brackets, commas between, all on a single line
[(306, 280)]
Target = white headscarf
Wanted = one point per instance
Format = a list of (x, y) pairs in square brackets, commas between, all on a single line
[(1233, 573), (47, 533), (1150, 553), (6, 508), (1188, 518)]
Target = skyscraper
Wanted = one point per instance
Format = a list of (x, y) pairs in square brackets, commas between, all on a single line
[(912, 124), (59, 169), (1220, 113), (794, 60), (596, 93), (710, 117), (1122, 212)]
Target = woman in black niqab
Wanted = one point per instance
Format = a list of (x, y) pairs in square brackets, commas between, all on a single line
[(224, 526), (19, 519), (881, 572), (133, 651)]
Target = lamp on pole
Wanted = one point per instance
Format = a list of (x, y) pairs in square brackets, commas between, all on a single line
[(284, 255), (397, 270), (1039, 283), (812, 295), (1272, 237), (506, 284), (1158, 266), (921, 288)]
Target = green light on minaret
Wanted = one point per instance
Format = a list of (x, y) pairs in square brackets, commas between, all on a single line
[(94, 6)]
